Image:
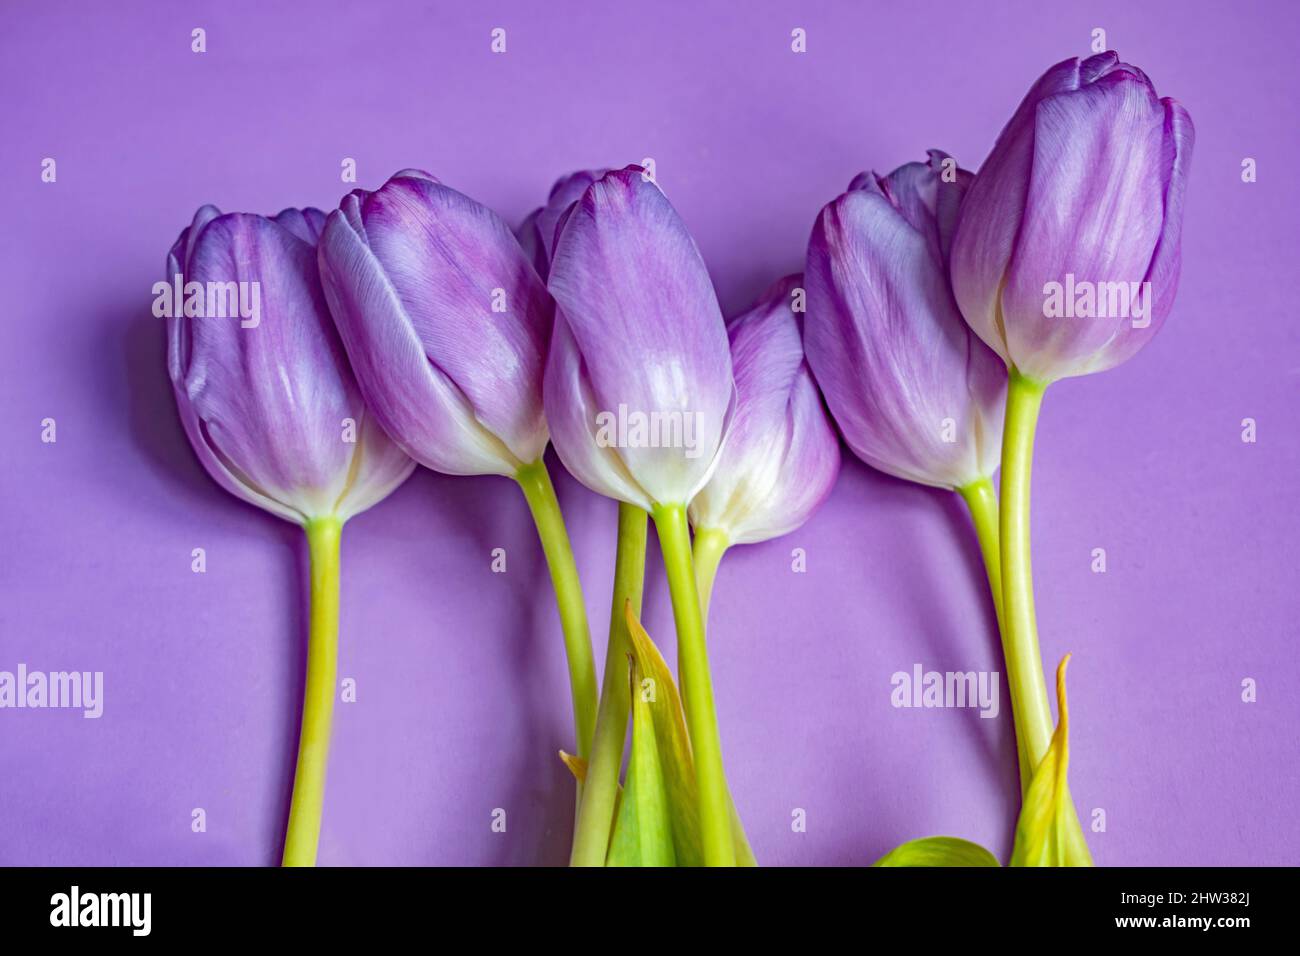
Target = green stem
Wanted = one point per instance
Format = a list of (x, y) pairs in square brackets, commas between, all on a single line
[(710, 545), (1029, 701), (983, 504), (303, 833), (545, 507), (701, 719), (596, 813)]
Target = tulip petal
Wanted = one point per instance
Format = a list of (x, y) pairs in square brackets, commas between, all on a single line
[(378, 467), (928, 195), (178, 259), (566, 191), (952, 184), (307, 224), (913, 392), (530, 241), (571, 414), (537, 233), (471, 298), (1166, 262), (272, 397), (781, 455), (220, 469)]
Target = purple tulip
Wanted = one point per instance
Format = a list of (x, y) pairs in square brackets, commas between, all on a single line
[(782, 455), (445, 321), (1067, 255), (1066, 261), (638, 394), (270, 405), (537, 232), (447, 324), (638, 381), (915, 394), (268, 400)]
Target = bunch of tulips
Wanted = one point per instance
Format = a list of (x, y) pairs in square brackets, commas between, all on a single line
[(412, 325)]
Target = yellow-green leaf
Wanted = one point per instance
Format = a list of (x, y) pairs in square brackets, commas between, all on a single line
[(643, 831), (938, 851), (658, 693), (1048, 832), (577, 766)]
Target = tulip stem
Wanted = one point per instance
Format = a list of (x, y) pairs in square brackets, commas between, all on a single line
[(710, 545), (697, 691), (1029, 702), (600, 792), (303, 832), (983, 504), (535, 481)]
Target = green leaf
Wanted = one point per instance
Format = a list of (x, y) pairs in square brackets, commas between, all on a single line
[(643, 830), (1048, 832), (656, 690), (744, 853), (659, 691), (938, 851)]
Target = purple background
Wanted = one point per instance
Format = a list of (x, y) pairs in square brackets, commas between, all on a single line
[(463, 699)]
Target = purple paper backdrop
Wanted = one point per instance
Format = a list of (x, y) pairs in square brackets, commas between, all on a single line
[(462, 696)]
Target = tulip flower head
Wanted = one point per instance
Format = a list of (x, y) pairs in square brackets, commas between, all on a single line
[(638, 385), (782, 454), (271, 406), (914, 392), (445, 321), (1067, 255)]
